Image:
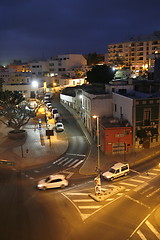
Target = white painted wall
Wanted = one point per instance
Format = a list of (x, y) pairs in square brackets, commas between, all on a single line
[(124, 104)]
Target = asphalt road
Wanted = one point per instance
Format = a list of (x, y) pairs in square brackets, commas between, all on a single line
[(70, 214)]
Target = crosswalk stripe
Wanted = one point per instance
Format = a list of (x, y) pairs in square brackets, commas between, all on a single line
[(74, 154), (90, 207), (143, 177), (141, 235), (83, 200), (136, 180), (58, 160), (128, 184), (119, 194), (153, 229), (62, 161), (150, 173), (68, 161), (77, 194), (75, 161), (156, 169), (76, 165)]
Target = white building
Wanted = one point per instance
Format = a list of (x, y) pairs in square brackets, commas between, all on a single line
[(95, 104), (39, 68), (62, 64)]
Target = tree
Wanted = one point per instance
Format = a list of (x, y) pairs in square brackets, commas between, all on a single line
[(14, 109), (100, 74), (94, 58)]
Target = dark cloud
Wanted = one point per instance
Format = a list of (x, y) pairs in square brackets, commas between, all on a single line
[(28, 28)]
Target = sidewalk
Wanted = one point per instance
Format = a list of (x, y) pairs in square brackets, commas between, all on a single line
[(36, 149)]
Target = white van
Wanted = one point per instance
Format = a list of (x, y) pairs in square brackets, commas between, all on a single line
[(117, 170)]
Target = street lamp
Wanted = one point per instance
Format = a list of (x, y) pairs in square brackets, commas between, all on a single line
[(98, 178)]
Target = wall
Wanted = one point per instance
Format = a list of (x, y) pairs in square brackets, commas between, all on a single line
[(123, 106)]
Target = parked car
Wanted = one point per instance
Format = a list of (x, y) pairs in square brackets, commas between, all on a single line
[(49, 95), (46, 100), (54, 111), (53, 181), (59, 127), (117, 170), (49, 105), (56, 116)]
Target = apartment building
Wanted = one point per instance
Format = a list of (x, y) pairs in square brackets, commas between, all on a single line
[(63, 64), (135, 52), (39, 68)]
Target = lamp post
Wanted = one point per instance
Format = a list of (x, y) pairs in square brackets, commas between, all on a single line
[(98, 178)]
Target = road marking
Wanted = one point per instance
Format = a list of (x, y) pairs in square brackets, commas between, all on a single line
[(144, 177), (109, 199), (69, 173), (76, 165), (127, 190), (58, 160), (119, 194), (136, 180), (153, 229), (85, 216), (62, 161), (141, 235), (48, 166), (156, 169), (151, 194), (72, 163), (80, 155), (90, 207), (77, 194), (150, 173), (83, 200), (68, 161), (134, 200), (128, 184)]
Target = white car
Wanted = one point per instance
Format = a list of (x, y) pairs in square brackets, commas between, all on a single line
[(48, 104), (53, 181), (117, 170), (59, 127)]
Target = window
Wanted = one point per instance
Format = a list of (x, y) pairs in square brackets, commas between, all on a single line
[(121, 112), (124, 168), (56, 180), (115, 107), (147, 116)]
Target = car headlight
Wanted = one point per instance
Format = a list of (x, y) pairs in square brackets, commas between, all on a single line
[(39, 185)]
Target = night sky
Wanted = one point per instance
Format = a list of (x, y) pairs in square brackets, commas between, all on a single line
[(44, 28)]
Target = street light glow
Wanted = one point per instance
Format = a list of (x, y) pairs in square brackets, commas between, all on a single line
[(35, 84)]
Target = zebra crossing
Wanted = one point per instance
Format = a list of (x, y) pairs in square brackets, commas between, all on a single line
[(87, 206), (70, 160)]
